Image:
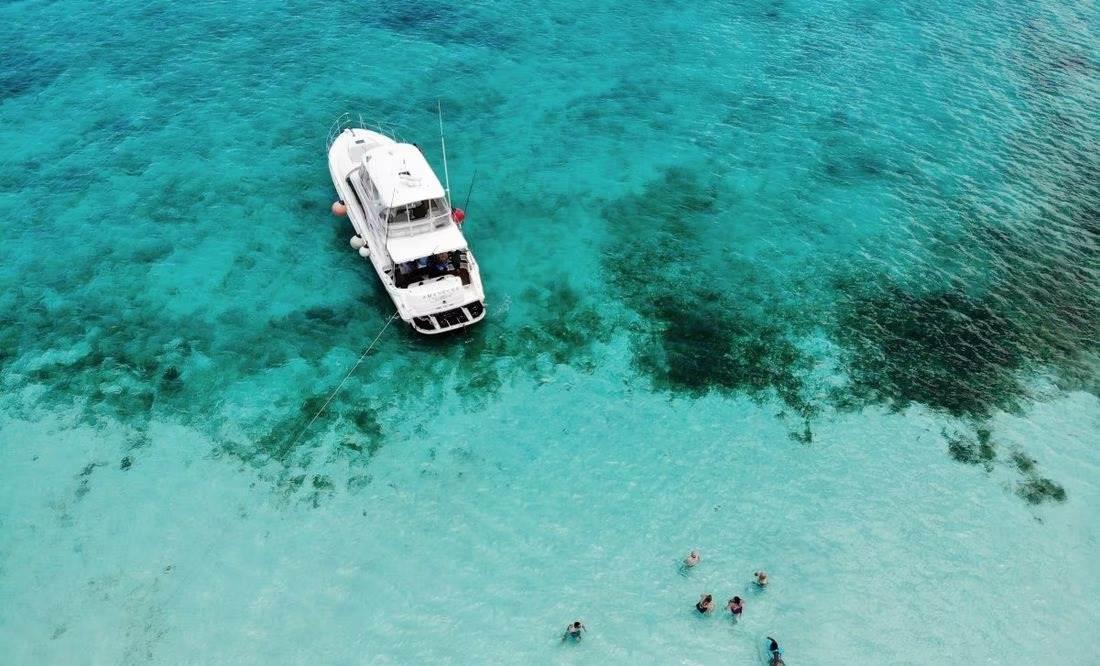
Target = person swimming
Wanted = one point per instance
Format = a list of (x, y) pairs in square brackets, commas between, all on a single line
[(761, 578), (776, 654), (705, 604), (736, 607), (574, 630), (692, 559)]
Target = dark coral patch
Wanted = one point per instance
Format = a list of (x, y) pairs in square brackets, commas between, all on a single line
[(23, 71), (1024, 463), (972, 452), (359, 482), (171, 380), (368, 430), (805, 436), (434, 21), (84, 486), (691, 338), (565, 333), (559, 325), (706, 343), (289, 441), (945, 349), (1037, 490), (132, 362), (982, 450), (960, 348)]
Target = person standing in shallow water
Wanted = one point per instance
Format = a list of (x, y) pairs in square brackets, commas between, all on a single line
[(692, 559), (736, 607), (705, 604), (761, 578), (574, 631)]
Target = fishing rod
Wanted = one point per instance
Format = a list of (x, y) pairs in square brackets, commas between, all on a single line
[(466, 204)]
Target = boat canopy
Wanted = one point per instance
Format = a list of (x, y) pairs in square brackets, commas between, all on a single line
[(401, 175), (408, 248)]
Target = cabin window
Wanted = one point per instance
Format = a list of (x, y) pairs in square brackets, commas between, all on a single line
[(420, 211), (372, 192)]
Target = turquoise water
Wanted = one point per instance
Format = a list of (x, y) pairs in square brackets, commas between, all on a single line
[(810, 286)]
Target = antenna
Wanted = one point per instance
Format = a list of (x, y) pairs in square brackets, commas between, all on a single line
[(443, 143)]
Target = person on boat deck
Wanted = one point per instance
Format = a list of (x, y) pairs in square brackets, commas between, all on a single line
[(439, 264), (574, 631), (418, 211), (761, 578), (705, 604), (692, 559), (407, 272), (736, 607)]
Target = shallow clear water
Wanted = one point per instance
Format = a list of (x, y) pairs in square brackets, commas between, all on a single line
[(811, 286)]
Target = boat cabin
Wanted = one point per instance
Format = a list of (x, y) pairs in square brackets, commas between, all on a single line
[(402, 190), (410, 206)]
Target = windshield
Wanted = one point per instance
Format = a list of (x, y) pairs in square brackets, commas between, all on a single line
[(419, 211)]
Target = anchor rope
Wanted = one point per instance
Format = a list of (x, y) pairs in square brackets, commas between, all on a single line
[(344, 380)]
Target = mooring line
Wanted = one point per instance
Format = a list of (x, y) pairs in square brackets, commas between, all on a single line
[(344, 380)]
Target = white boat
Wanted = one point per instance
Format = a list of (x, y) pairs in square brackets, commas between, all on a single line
[(405, 225)]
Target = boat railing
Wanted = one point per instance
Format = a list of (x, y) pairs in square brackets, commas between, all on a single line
[(347, 120)]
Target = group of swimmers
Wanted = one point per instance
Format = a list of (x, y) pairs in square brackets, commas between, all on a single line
[(735, 606), (705, 606)]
